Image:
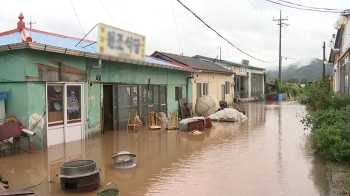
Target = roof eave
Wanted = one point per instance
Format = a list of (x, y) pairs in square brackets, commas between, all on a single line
[(220, 72), (55, 49)]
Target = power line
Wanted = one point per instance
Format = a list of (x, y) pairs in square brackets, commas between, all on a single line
[(177, 31), (77, 16), (306, 9), (330, 9), (280, 23), (126, 16), (107, 12), (221, 35)]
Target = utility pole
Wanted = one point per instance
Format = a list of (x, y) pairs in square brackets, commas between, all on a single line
[(324, 58), (280, 44), (30, 23), (220, 53)]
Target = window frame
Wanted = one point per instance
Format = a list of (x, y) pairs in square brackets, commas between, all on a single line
[(178, 93)]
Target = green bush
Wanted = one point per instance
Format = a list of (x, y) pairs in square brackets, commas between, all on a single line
[(328, 120), (333, 141)]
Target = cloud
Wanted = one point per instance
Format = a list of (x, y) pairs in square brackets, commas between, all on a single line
[(245, 23)]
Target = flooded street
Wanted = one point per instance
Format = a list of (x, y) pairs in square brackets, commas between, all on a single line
[(269, 154)]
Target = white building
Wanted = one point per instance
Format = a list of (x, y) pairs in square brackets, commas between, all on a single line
[(340, 54), (248, 80)]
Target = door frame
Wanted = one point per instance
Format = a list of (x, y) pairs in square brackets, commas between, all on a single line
[(64, 102)]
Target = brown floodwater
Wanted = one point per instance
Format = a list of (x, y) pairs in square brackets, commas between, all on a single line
[(269, 154)]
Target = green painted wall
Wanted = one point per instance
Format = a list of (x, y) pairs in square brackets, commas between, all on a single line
[(12, 66), (36, 107), (16, 103), (136, 74), (28, 98), (93, 111)]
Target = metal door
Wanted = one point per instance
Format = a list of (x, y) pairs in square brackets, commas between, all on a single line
[(156, 98), (115, 107), (223, 92), (163, 99)]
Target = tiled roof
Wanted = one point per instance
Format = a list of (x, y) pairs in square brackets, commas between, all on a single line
[(151, 59), (193, 62), (228, 62)]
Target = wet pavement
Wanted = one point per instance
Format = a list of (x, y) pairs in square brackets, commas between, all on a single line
[(269, 154)]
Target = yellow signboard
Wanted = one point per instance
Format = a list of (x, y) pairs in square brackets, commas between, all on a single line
[(120, 43)]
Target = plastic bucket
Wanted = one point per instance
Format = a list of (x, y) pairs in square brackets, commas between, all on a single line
[(262, 96), (279, 97)]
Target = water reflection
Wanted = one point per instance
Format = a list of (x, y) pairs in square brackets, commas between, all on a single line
[(266, 155)]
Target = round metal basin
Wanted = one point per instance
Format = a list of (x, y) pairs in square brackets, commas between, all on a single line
[(125, 165), (79, 176), (76, 169), (123, 157)]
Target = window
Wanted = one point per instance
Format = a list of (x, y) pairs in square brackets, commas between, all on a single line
[(205, 88), (227, 87), (178, 93), (55, 104), (199, 90), (73, 102)]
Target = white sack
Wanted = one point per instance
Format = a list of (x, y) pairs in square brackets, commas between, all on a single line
[(228, 114), (206, 105)]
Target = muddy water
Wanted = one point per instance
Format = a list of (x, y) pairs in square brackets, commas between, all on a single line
[(267, 155)]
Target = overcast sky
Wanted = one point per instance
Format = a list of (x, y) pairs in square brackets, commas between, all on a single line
[(245, 23)]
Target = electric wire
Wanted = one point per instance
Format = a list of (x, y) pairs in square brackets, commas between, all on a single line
[(126, 16), (177, 31), (81, 26), (107, 12), (310, 6), (306, 9), (221, 35)]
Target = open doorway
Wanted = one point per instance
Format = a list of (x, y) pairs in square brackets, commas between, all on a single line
[(107, 108)]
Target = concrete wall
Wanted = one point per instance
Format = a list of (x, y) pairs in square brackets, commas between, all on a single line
[(215, 81)]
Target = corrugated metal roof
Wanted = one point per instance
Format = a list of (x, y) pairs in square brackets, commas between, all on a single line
[(67, 42), (229, 62), (193, 62), (50, 39), (10, 38)]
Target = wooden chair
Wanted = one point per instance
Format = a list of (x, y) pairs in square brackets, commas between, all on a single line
[(173, 121), (132, 120), (153, 121)]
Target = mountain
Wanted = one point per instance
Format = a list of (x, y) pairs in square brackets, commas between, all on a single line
[(310, 70)]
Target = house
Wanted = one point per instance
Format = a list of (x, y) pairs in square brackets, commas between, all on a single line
[(209, 78), (74, 92), (340, 54), (248, 80)]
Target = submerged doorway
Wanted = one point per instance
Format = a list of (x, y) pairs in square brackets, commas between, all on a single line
[(107, 108), (119, 99)]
